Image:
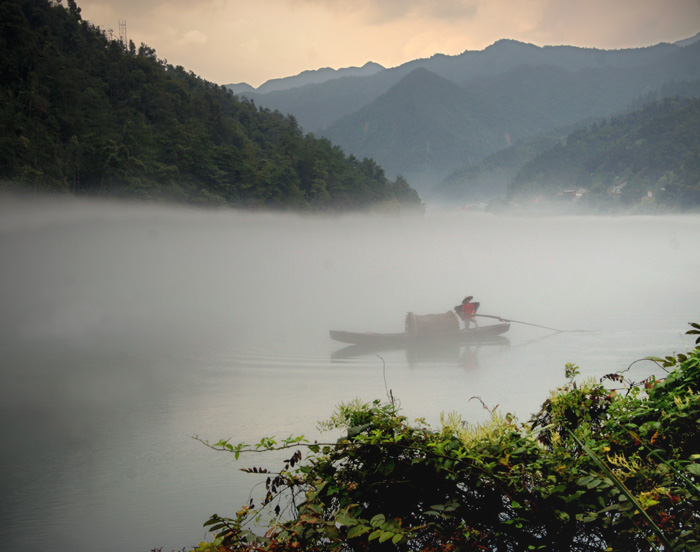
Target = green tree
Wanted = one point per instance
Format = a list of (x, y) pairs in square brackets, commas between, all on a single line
[(83, 114)]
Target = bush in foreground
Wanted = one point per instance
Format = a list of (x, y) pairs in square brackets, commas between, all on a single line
[(604, 465)]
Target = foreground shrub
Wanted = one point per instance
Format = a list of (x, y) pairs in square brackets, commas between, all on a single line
[(604, 465)]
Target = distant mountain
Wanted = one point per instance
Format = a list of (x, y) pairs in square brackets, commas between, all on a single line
[(317, 76), (688, 41), (491, 177), (318, 105), (421, 124), (508, 91), (507, 54), (241, 88), (426, 127), (650, 155)]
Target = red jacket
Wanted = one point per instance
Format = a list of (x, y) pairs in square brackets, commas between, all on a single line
[(468, 310)]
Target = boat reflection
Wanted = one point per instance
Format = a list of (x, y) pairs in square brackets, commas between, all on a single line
[(428, 352)]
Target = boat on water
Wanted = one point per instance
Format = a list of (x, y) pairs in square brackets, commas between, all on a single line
[(404, 339)]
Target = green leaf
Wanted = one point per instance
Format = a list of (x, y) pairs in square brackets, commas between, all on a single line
[(386, 535), (694, 469), (346, 519), (212, 520), (357, 530), (375, 534), (584, 481), (377, 520), (621, 487)]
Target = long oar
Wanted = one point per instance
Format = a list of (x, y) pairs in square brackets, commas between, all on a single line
[(528, 323)]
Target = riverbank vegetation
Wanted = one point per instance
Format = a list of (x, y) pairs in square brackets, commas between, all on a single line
[(604, 465), (83, 113)]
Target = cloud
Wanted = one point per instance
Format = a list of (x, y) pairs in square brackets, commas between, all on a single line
[(239, 40), (388, 11), (436, 10), (619, 24), (138, 8), (194, 37)]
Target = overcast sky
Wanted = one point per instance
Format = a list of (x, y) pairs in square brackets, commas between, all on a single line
[(231, 41)]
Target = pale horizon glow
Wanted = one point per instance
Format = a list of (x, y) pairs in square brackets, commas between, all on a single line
[(232, 41)]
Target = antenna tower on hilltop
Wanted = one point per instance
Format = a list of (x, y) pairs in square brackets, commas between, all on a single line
[(122, 33)]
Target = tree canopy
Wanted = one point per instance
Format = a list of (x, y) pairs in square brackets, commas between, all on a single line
[(83, 113)]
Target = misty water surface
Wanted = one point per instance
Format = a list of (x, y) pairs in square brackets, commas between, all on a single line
[(125, 330)]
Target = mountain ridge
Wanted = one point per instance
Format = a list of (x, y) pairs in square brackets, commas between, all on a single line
[(324, 74), (311, 76), (496, 110), (317, 106)]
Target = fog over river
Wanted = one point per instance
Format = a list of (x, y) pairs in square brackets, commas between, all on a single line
[(126, 329)]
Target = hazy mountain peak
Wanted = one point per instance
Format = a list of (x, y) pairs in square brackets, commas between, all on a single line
[(240, 87), (311, 76), (419, 74), (508, 43), (688, 41), (421, 79)]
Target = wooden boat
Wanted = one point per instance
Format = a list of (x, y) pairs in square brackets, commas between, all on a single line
[(425, 351), (404, 339)]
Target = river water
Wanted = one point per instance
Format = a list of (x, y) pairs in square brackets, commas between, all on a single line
[(125, 330)]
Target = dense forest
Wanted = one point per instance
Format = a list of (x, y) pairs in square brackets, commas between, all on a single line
[(83, 113), (649, 156)]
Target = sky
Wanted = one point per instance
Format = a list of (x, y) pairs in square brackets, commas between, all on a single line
[(252, 41)]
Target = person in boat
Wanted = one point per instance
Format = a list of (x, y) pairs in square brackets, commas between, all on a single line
[(467, 311)]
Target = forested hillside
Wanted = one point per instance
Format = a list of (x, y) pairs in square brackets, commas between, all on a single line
[(444, 128), (651, 155), (82, 113), (491, 177), (421, 124), (430, 117)]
